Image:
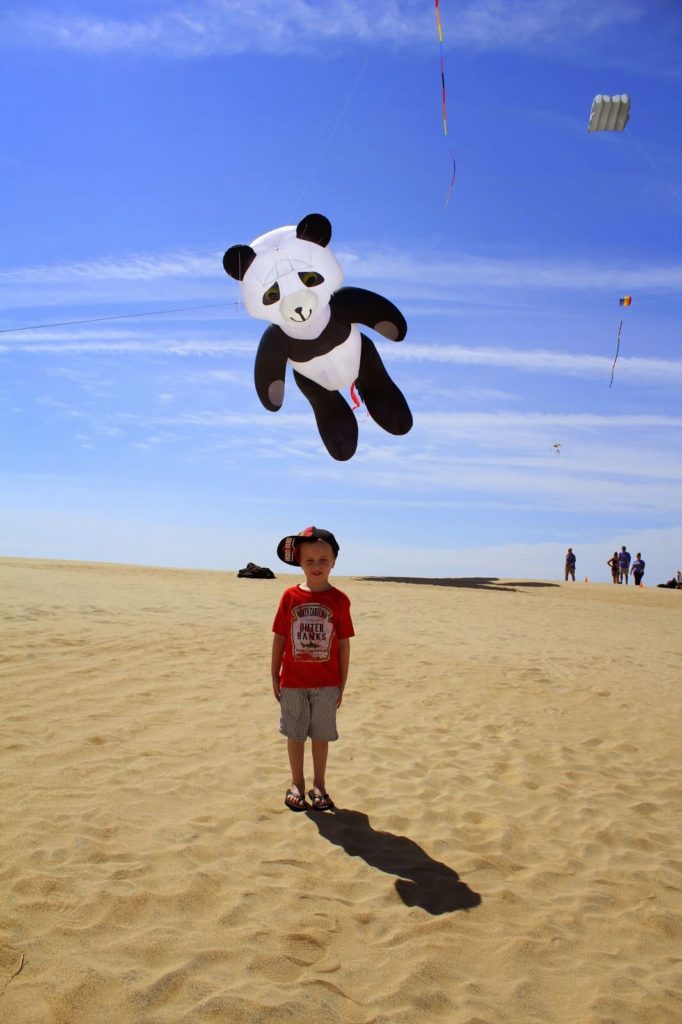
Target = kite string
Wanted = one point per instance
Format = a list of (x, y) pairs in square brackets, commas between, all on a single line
[(658, 171), (439, 27), (615, 360), (330, 136), (117, 316), (237, 302)]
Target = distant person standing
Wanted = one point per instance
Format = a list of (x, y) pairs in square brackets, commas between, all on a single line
[(637, 569), (615, 571), (624, 559), (569, 565)]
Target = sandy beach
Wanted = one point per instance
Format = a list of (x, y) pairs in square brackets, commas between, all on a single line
[(506, 847)]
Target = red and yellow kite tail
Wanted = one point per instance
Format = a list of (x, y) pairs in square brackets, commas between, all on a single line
[(613, 368), (445, 108), (625, 301)]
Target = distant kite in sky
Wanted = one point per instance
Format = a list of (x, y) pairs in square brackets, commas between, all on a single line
[(609, 114), (557, 447), (445, 109), (625, 301)]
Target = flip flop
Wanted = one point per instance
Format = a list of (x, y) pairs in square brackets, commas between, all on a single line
[(321, 801), (294, 801)]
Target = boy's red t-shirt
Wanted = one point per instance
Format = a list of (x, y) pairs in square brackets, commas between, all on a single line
[(312, 623)]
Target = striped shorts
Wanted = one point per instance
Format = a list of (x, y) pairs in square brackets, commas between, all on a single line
[(308, 711)]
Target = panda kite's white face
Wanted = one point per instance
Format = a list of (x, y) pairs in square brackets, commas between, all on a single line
[(290, 282)]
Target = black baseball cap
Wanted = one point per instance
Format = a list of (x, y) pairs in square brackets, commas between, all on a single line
[(287, 549)]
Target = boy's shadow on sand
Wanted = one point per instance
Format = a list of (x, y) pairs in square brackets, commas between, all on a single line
[(423, 882)]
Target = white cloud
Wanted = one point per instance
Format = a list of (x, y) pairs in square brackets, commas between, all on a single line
[(97, 342), (213, 420), (497, 24), (178, 283), (144, 341), (142, 267), (504, 421), (205, 27), (610, 463), (540, 361), (494, 430), (193, 287), (51, 284), (510, 274)]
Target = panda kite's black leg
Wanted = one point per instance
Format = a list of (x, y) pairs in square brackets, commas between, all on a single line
[(335, 419), (384, 400)]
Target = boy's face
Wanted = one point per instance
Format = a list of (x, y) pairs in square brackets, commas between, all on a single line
[(316, 558)]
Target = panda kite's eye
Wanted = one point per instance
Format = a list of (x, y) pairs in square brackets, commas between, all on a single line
[(310, 278), (271, 295)]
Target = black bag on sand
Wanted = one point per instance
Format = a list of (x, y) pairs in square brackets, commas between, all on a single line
[(256, 572)]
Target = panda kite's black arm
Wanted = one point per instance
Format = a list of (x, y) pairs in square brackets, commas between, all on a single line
[(270, 368), (360, 306)]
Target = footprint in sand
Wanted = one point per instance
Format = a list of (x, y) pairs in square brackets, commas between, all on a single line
[(302, 949)]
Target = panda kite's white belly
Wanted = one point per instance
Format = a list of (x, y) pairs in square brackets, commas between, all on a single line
[(336, 369)]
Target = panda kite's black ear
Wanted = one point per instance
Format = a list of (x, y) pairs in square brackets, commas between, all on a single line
[(314, 228), (237, 260)]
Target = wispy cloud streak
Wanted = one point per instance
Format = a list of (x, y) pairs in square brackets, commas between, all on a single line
[(532, 274), (143, 267), (147, 346), (555, 363), (205, 27), (56, 283), (540, 361)]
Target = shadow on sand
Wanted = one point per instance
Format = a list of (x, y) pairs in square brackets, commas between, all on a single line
[(423, 882), (472, 582)]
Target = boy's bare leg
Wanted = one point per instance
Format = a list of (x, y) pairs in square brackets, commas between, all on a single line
[(320, 751), (296, 751)]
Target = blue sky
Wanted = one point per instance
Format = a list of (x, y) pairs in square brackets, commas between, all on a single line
[(140, 140)]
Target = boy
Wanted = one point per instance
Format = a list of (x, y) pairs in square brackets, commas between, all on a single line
[(310, 657)]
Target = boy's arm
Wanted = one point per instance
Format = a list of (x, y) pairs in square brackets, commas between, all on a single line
[(344, 661), (278, 643)]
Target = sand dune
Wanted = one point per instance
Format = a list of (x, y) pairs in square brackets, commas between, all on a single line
[(507, 845)]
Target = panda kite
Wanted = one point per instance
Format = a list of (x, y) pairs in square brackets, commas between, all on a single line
[(291, 277)]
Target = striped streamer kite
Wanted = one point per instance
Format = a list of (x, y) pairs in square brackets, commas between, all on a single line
[(615, 359), (445, 109), (625, 301)]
